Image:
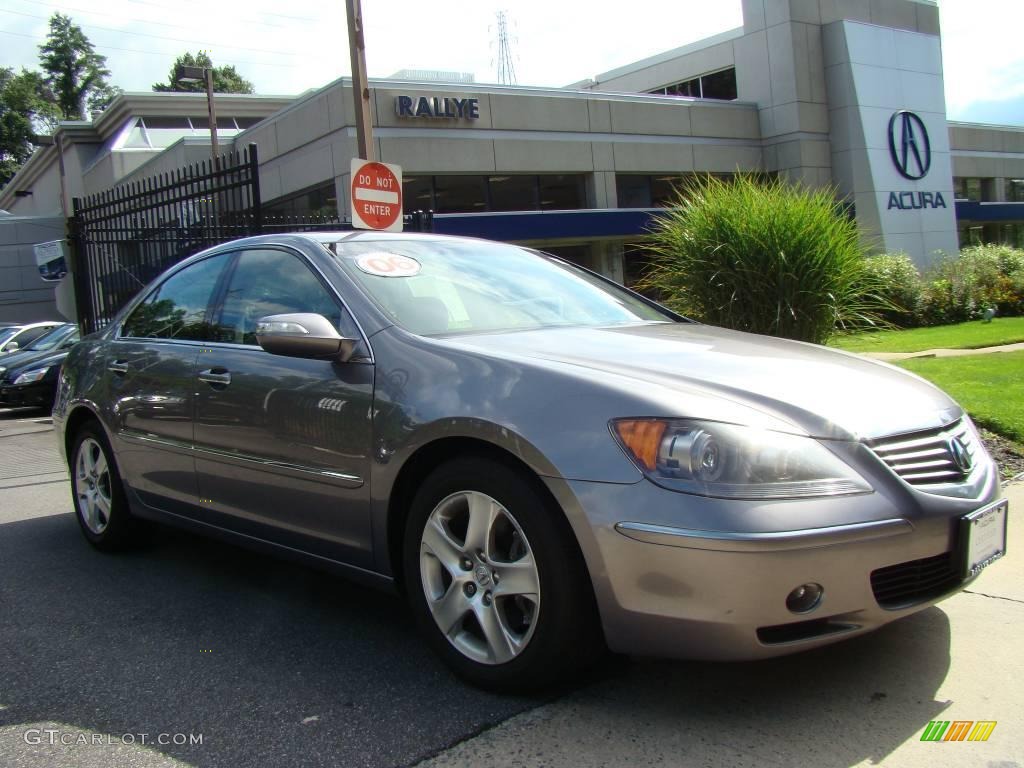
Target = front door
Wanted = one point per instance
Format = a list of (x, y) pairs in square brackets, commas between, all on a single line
[(283, 444)]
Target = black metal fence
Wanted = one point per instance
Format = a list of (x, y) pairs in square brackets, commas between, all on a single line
[(124, 237)]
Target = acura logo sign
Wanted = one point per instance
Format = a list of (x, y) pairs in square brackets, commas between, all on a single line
[(909, 146), (958, 451)]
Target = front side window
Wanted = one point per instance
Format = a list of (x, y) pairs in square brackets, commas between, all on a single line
[(177, 308), (270, 282)]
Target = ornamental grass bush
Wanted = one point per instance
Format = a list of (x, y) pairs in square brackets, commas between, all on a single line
[(763, 256)]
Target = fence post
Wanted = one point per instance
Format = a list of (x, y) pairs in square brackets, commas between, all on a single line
[(80, 271), (254, 178)]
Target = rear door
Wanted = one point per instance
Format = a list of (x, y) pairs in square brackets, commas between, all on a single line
[(150, 370), (283, 444)]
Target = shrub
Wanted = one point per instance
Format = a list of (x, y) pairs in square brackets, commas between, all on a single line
[(762, 256), (898, 282), (961, 288)]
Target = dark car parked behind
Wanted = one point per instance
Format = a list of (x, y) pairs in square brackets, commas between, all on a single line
[(29, 377)]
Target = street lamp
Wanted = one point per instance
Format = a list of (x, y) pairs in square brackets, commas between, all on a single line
[(187, 74)]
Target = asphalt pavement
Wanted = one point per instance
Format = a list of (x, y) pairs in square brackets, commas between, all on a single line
[(197, 653)]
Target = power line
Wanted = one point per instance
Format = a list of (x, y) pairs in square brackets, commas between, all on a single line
[(262, 13), (62, 8), (160, 37), (158, 53)]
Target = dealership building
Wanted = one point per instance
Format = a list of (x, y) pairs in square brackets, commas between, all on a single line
[(842, 93)]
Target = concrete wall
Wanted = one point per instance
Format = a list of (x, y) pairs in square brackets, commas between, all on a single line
[(24, 296), (518, 131), (45, 187), (987, 152)]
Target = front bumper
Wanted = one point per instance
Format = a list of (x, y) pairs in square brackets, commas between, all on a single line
[(688, 592), (39, 394)]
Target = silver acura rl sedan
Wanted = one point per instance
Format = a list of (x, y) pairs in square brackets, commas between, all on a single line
[(546, 464)]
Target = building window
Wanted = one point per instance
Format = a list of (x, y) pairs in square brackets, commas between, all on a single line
[(315, 201), (476, 194), (460, 194), (1015, 190), (714, 85), (561, 192), (417, 193), (976, 189), (633, 191), (513, 193), (655, 191)]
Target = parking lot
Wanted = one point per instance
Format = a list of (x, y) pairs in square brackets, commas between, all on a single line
[(197, 653)]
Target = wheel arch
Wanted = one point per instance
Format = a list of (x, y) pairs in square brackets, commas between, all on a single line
[(79, 415), (429, 457)]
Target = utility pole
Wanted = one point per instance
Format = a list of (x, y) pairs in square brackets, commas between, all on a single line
[(214, 146), (360, 90)]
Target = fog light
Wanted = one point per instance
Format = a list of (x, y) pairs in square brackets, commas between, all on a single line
[(805, 598)]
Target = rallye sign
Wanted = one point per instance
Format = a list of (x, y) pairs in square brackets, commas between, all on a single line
[(443, 107)]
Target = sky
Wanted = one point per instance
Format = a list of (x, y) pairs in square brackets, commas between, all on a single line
[(288, 48)]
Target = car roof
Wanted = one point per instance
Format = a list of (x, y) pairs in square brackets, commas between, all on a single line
[(25, 326)]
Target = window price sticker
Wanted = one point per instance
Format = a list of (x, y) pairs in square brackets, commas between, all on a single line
[(388, 264)]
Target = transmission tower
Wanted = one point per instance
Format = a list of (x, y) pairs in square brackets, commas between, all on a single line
[(506, 69)]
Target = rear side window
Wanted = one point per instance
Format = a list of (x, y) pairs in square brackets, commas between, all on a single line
[(177, 308)]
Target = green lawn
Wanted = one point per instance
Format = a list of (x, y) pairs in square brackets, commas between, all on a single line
[(972, 335), (989, 387)]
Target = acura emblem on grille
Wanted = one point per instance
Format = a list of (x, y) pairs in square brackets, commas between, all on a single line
[(959, 454)]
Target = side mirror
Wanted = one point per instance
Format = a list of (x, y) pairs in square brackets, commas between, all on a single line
[(12, 346), (303, 334)]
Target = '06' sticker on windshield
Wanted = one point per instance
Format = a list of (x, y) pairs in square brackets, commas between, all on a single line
[(388, 264)]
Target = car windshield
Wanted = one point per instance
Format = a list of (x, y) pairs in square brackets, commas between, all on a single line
[(51, 339), (6, 333), (433, 287)]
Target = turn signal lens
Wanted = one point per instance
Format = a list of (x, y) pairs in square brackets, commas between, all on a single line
[(643, 439)]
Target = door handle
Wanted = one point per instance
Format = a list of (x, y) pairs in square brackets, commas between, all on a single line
[(216, 376), (118, 367)]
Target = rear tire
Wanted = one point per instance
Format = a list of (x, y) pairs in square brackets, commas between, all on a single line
[(496, 579), (98, 494)]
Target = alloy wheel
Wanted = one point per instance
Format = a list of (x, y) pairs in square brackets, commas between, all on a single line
[(480, 577), (92, 486)]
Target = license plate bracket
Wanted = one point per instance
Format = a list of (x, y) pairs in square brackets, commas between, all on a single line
[(983, 533)]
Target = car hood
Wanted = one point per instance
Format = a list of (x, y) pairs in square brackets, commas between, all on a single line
[(39, 360), (823, 392), (24, 357)]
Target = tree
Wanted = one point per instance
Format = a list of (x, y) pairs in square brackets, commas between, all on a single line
[(74, 71), (226, 79), (25, 110)]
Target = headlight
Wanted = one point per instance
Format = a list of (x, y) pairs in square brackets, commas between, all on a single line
[(733, 462), (30, 377)]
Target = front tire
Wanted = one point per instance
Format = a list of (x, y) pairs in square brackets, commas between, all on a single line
[(496, 579), (98, 494)]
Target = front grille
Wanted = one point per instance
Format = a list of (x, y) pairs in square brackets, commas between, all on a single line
[(906, 584), (929, 457)]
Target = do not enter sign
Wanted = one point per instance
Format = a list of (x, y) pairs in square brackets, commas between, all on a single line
[(376, 195)]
